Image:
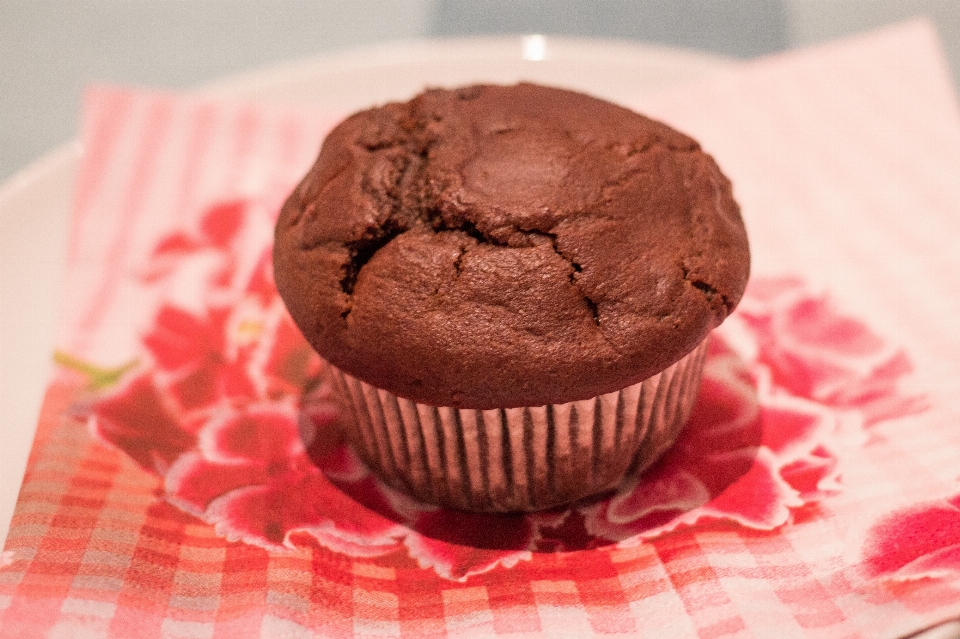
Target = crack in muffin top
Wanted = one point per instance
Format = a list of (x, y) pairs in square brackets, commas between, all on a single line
[(502, 246)]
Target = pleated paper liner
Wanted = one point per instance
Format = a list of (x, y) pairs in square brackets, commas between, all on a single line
[(517, 459)]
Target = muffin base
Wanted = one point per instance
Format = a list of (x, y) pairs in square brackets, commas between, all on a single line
[(517, 459)]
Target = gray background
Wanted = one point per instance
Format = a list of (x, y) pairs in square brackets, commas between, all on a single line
[(50, 48)]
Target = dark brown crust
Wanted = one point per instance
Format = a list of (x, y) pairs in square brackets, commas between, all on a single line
[(493, 247)]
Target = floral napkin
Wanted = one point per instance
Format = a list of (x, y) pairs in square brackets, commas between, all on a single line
[(187, 477)]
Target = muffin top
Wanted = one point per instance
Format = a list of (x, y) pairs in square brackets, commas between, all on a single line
[(502, 246)]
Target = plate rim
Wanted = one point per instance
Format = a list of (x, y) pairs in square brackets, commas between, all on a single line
[(237, 85)]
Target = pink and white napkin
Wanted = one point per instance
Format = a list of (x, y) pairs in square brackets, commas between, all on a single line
[(187, 479)]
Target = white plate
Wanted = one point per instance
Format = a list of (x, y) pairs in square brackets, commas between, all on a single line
[(35, 203)]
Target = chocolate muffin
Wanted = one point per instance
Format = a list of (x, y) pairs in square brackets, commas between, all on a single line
[(512, 286)]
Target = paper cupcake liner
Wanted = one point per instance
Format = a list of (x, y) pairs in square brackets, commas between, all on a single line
[(517, 459)]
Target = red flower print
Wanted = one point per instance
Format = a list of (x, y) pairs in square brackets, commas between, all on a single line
[(221, 223), (137, 418), (921, 541), (736, 460), (250, 476), (290, 363), (814, 352), (231, 414), (261, 284), (458, 544), (197, 358), (218, 228), (227, 256)]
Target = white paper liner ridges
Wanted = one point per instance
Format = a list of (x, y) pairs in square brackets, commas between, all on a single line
[(517, 459)]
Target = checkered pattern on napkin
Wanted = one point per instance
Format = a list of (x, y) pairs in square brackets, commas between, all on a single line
[(845, 161)]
